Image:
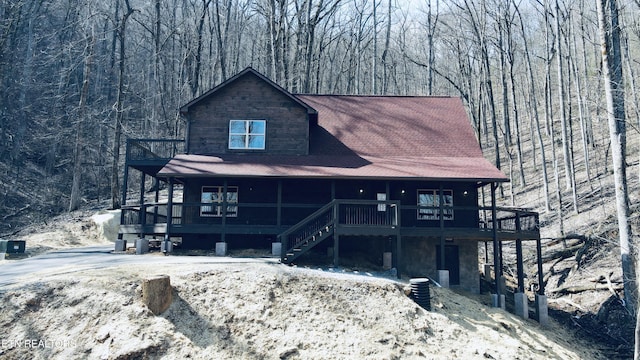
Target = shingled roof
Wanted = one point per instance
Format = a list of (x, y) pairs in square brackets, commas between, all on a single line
[(382, 137)]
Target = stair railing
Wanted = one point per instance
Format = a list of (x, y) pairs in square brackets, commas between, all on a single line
[(299, 233)]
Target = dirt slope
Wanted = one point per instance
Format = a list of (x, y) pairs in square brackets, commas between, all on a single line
[(270, 311)]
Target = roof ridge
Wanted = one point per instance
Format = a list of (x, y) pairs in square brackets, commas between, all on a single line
[(383, 96)]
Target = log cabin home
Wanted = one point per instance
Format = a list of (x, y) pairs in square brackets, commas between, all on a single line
[(329, 177)]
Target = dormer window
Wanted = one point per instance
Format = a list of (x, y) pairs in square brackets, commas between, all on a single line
[(247, 134)]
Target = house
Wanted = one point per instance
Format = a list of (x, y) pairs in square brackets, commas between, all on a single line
[(329, 174)]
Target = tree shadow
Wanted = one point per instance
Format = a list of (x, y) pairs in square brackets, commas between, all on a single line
[(611, 328), (202, 332)]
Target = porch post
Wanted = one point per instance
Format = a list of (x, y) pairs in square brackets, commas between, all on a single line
[(398, 250), (443, 274), (497, 300), (279, 205), (156, 199), (519, 261), (540, 274), (333, 190), (142, 216), (224, 212), (520, 298), (398, 255), (542, 310), (336, 236), (166, 247), (125, 183), (442, 264)]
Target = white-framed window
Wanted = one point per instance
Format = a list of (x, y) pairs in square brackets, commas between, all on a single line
[(214, 195), (431, 198), (247, 134), (382, 197)]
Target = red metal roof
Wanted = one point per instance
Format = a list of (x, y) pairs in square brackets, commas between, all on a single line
[(427, 138)]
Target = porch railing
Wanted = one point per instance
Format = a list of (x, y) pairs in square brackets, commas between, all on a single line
[(513, 220), (346, 213), (151, 214), (154, 149)]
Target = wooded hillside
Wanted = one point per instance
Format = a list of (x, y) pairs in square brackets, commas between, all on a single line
[(79, 77)]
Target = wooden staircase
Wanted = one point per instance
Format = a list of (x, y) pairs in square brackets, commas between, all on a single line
[(306, 245), (362, 216), (308, 233)]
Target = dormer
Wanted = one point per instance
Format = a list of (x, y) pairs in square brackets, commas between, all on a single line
[(248, 114)]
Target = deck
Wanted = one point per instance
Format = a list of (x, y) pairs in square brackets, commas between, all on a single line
[(355, 217)]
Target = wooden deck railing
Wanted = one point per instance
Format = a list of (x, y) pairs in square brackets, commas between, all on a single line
[(341, 213), (513, 220), (153, 149)]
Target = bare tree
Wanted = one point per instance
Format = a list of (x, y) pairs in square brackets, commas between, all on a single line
[(119, 116), (614, 91), (74, 199)]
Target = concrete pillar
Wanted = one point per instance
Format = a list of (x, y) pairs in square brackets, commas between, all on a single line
[(276, 248), (498, 301), (503, 285), (522, 305), (542, 309), (443, 278), (166, 246), (387, 257), (142, 246), (221, 249), (487, 272), (121, 245)]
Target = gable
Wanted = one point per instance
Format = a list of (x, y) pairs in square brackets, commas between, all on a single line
[(247, 97)]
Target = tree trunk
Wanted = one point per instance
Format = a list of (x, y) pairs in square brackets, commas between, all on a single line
[(25, 82), (115, 165), (76, 192), (614, 92), (562, 98), (385, 52), (549, 122)]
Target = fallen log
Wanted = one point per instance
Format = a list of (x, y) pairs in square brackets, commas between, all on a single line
[(564, 253), (565, 238), (16, 213), (574, 289)]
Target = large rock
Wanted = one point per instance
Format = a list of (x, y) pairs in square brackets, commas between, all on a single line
[(157, 293), (107, 224)]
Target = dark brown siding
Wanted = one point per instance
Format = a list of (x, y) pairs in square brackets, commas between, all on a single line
[(248, 98)]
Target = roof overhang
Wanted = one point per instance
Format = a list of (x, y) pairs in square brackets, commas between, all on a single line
[(477, 170)]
